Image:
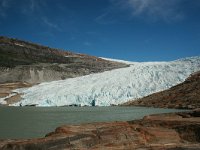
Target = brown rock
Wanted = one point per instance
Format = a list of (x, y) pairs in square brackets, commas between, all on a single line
[(156, 132)]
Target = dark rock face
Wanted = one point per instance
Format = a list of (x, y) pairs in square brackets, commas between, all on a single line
[(183, 96), (155, 132), (33, 63)]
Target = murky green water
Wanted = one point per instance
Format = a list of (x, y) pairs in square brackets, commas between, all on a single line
[(29, 122)]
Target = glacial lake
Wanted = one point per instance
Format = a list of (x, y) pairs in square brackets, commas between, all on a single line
[(31, 122)]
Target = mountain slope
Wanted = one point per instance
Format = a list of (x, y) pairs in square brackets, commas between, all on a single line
[(111, 87), (184, 95), (33, 63)]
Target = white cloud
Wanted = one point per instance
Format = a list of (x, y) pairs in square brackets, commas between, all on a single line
[(32, 6), (4, 5), (166, 10), (50, 24), (87, 43), (35, 9), (105, 18)]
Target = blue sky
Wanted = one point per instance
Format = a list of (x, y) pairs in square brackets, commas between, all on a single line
[(137, 30)]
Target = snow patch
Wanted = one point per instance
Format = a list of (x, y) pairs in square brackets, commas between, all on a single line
[(118, 60), (19, 44), (71, 56)]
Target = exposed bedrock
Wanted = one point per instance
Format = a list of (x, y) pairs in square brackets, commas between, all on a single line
[(164, 131)]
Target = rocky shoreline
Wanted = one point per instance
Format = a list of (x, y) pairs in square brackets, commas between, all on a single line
[(171, 131)]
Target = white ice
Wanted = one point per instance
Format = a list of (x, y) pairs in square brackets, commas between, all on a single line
[(111, 87)]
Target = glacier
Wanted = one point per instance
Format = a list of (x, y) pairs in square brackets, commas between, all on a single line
[(111, 87)]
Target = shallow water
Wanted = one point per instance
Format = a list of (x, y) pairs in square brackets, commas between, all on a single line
[(29, 122)]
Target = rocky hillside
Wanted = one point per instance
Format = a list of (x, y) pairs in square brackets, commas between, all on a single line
[(175, 131), (33, 63), (183, 96)]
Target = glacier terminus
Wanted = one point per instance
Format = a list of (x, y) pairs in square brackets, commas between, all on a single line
[(110, 87)]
